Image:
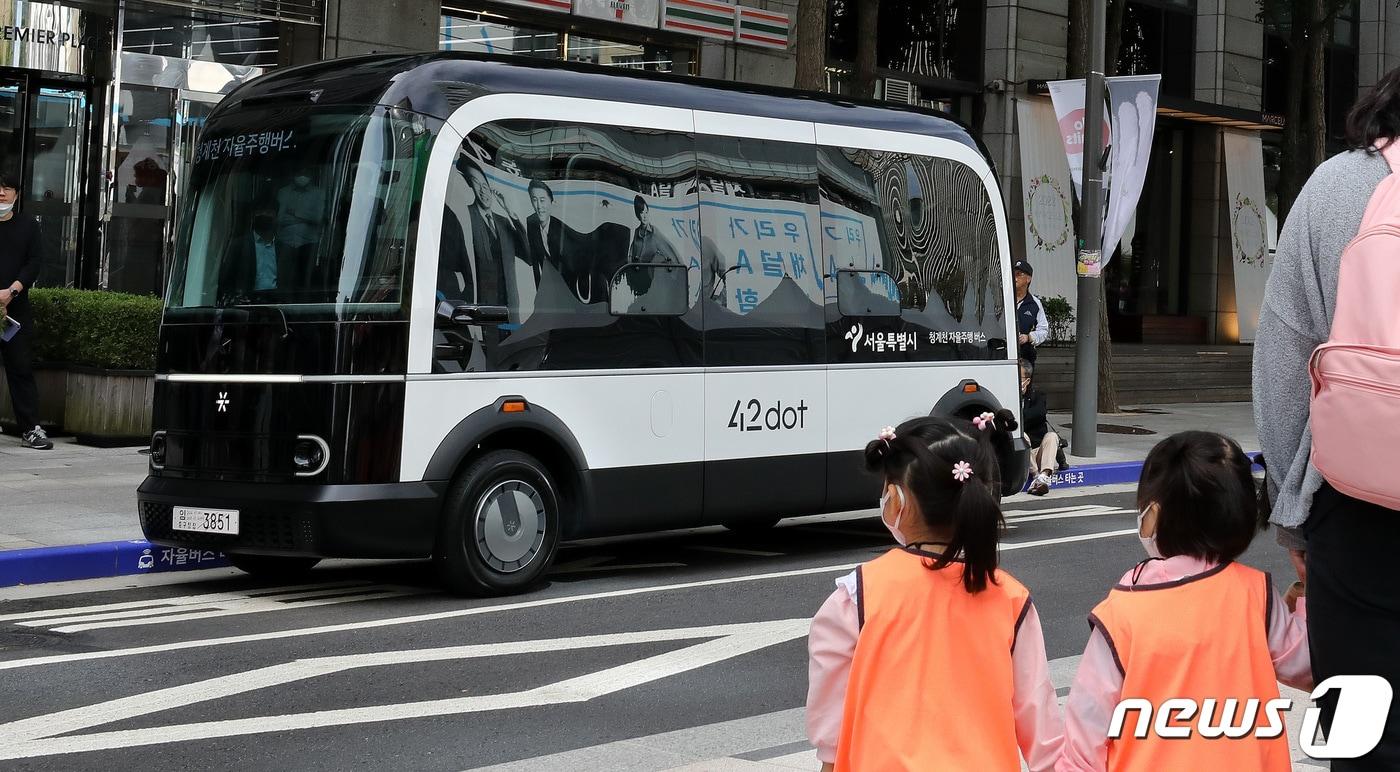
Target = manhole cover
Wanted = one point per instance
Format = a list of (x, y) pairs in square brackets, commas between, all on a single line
[(1117, 429)]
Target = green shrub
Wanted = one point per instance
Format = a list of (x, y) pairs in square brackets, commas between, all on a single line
[(93, 328), (1060, 315)]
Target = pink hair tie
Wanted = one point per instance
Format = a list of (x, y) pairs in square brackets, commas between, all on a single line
[(962, 471), (886, 435), (985, 421)]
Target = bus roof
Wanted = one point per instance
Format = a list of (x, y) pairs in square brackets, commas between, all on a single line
[(437, 83)]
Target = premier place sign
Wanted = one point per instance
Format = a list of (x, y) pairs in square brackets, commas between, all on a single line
[(43, 36)]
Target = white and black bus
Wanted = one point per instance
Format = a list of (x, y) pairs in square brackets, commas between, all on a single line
[(461, 307)]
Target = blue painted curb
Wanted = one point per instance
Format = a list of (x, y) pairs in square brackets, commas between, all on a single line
[(1104, 474), (128, 558), (96, 561)]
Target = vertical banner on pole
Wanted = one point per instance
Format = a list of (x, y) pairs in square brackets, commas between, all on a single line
[(1068, 98), (1047, 199), (1133, 99), (1250, 228), (1132, 116)]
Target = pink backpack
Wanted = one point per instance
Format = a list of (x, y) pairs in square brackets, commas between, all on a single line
[(1356, 373)]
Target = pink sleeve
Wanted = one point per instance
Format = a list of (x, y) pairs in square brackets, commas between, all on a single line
[(1089, 709), (1288, 643), (830, 646), (1040, 730)]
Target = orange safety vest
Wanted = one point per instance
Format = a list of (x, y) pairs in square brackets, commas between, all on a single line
[(931, 684), (1199, 638)]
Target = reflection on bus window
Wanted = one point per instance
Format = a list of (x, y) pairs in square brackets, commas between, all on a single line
[(758, 211), (540, 217), (928, 223), (258, 233)]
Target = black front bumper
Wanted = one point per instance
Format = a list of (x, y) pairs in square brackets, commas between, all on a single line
[(388, 520)]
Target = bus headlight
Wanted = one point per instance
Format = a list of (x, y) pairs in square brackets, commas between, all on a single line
[(310, 455)]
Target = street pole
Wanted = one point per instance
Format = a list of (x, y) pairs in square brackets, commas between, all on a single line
[(1084, 440)]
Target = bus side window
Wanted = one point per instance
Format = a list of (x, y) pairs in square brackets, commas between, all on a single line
[(929, 224)]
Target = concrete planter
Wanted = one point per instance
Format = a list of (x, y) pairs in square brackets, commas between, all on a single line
[(52, 380), (109, 407)]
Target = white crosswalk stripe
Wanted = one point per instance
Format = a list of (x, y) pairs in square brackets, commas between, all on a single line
[(765, 743), (188, 608)]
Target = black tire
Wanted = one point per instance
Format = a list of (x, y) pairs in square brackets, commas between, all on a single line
[(486, 545), (752, 527), (273, 566)]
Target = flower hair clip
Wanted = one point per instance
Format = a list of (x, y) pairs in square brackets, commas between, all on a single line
[(962, 471), (985, 421), (886, 435)]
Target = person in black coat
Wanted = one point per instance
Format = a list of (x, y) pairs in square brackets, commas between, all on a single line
[(1047, 450)]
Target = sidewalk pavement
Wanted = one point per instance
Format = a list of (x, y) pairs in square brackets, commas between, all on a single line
[(77, 495)]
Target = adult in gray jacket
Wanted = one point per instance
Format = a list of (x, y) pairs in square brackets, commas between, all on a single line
[(1353, 595)]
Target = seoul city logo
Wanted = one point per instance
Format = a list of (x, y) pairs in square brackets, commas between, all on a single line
[(854, 335), (1363, 703), (221, 404)]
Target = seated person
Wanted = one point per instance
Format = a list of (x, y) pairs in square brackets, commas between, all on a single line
[(1047, 449)]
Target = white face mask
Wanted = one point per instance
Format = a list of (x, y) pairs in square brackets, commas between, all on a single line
[(303, 180), (5, 209), (894, 529), (1149, 543)]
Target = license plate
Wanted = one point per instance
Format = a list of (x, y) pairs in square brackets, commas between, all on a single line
[(206, 520)]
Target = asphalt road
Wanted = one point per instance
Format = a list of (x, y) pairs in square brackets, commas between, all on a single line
[(642, 653)]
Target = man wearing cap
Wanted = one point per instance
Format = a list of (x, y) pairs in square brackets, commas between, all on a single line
[(1031, 325)]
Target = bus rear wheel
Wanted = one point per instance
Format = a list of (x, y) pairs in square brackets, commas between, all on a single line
[(273, 566), (500, 526)]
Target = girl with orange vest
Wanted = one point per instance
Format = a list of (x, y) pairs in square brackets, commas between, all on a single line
[(1190, 623), (930, 657)]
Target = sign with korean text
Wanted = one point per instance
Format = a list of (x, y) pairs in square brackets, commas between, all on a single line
[(763, 28), (643, 13), (703, 18)]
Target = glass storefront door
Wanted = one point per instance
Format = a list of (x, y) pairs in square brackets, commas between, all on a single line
[(54, 146), (43, 140)]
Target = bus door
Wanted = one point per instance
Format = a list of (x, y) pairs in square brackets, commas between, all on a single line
[(765, 379)]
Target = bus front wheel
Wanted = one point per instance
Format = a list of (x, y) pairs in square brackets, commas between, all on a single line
[(500, 526)]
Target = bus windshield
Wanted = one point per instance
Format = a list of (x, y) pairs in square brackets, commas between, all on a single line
[(308, 209)]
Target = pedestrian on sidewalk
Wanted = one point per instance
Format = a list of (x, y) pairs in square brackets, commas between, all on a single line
[(1189, 621), (20, 257), (922, 631), (1047, 449), (1353, 596), (1032, 327)]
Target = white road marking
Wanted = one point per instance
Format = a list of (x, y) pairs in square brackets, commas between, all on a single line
[(36, 736), (55, 659), (1091, 511), (715, 746), (195, 607)]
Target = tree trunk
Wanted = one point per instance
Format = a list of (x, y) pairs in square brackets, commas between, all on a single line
[(867, 32), (810, 31), (1078, 65), (1305, 119)]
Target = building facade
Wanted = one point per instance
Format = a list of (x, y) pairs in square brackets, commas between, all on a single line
[(101, 101)]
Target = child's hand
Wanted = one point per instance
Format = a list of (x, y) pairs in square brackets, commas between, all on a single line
[(1290, 598), (828, 767)]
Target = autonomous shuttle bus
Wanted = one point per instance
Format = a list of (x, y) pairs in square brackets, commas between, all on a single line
[(464, 307)]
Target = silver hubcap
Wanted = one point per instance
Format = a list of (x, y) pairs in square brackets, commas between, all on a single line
[(510, 524)]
